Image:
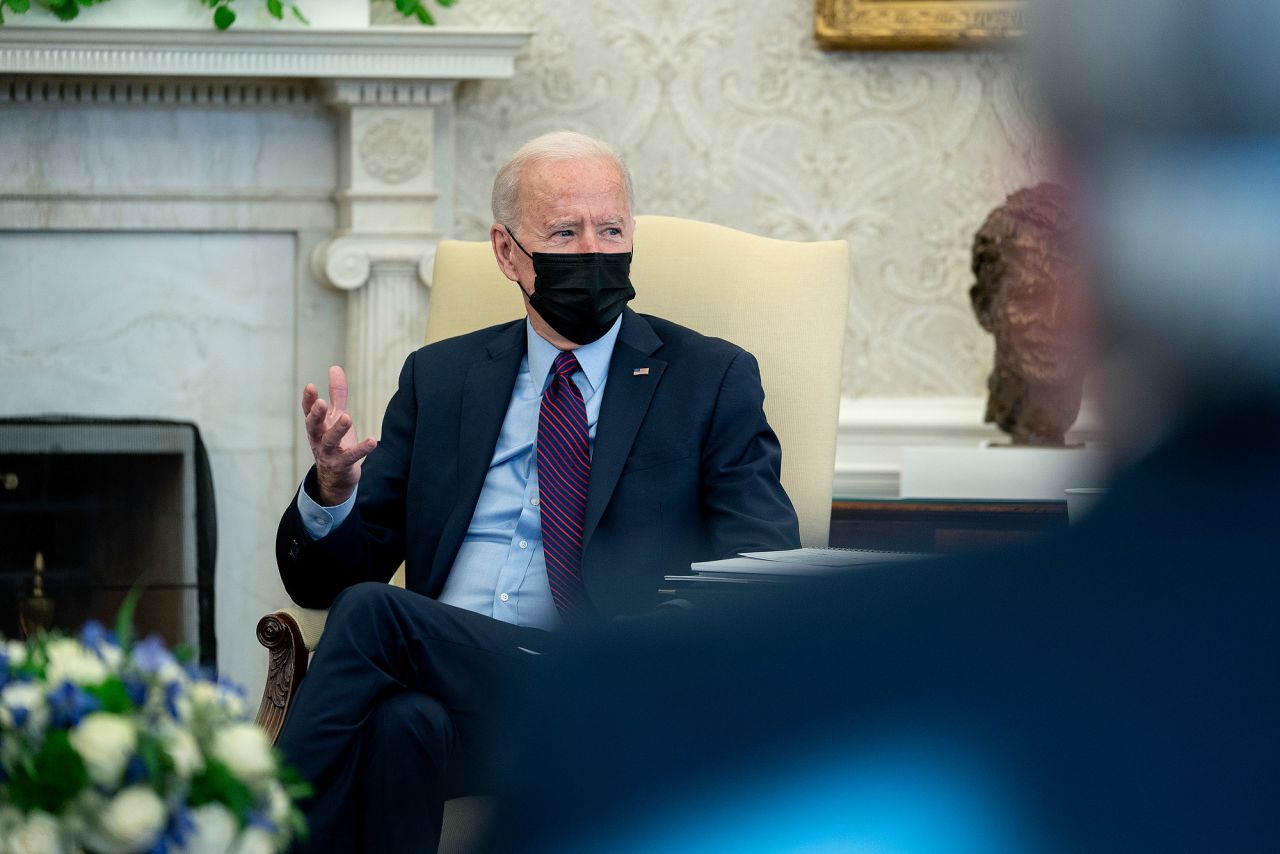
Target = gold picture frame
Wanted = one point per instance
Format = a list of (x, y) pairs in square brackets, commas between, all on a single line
[(916, 24)]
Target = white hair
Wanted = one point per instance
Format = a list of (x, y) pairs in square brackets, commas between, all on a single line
[(559, 145)]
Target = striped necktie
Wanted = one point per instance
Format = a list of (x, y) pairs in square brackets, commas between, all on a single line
[(564, 465)]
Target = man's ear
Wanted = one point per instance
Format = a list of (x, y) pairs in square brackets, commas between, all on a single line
[(504, 249)]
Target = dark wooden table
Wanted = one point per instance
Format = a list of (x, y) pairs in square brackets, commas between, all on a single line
[(944, 526)]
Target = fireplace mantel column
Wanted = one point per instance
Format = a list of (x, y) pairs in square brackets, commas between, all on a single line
[(395, 153)]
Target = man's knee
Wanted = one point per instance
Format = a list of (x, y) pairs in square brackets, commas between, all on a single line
[(410, 723), (366, 603)]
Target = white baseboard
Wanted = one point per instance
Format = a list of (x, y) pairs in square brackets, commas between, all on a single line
[(874, 430)]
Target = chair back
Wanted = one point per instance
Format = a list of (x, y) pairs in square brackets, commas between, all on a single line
[(783, 301)]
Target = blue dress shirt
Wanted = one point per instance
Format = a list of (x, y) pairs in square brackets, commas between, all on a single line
[(499, 570)]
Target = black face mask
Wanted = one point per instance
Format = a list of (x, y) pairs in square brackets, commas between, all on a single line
[(580, 294)]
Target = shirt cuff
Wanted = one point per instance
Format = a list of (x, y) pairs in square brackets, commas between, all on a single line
[(318, 521)]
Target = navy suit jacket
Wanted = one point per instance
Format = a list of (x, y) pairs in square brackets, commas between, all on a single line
[(685, 467)]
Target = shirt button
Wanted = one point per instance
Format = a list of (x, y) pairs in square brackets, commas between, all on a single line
[(504, 597), (524, 544), (534, 502)]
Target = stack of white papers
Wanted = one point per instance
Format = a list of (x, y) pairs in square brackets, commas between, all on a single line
[(793, 563)]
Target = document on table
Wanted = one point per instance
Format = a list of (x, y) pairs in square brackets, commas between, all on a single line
[(801, 562)]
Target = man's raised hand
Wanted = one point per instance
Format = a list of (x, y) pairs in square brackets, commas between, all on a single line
[(333, 440)]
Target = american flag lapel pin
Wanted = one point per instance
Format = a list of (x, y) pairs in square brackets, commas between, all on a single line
[(640, 372)]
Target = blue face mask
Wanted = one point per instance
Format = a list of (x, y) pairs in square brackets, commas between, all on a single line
[(580, 294)]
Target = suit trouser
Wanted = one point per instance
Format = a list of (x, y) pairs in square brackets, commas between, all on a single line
[(395, 715)]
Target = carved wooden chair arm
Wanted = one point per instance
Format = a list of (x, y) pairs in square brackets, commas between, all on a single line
[(290, 636)]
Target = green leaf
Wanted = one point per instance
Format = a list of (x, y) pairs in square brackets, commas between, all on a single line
[(124, 617), (156, 760), (52, 780), (112, 695), (298, 825), (215, 784), (297, 13), (406, 7), (446, 3), (66, 11), (424, 16), (292, 782), (19, 6), (275, 8), (223, 17)]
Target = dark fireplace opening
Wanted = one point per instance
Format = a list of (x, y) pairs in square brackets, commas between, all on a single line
[(108, 504)]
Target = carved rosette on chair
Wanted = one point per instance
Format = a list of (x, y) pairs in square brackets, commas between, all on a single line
[(390, 221), (289, 635)]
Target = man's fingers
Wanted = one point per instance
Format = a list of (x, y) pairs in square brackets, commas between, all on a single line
[(353, 455), (331, 441), (338, 388), (309, 396), (315, 422)]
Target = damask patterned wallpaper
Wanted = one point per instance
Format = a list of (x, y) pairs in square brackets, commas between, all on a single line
[(727, 111)]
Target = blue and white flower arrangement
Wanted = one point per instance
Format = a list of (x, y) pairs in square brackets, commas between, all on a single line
[(114, 747)]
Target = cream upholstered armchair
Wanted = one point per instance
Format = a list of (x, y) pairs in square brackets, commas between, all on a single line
[(783, 301)]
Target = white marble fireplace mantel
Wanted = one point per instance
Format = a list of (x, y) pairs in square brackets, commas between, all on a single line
[(195, 223), (391, 88), (368, 53)]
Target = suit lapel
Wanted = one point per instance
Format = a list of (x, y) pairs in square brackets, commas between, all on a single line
[(486, 394), (626, 400)]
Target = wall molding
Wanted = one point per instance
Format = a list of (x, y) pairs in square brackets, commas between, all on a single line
[(131, 91), (392, 53)]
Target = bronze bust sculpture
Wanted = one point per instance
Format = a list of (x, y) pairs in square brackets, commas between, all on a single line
[(1028, 295)]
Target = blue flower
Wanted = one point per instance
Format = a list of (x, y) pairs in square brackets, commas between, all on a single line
[(135, 771), (69, 703), (229, 687), (200, 673), (171, 693), (136, 689), (95, 637), (180, 828), (150, 655)]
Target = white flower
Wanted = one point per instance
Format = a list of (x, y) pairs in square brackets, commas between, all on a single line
[(198, 699), (278, 804), (231, 702), (38, 834), (254, 840), (246, 751), (215, 830), (131, 821), (72, 661), (183, 750), (15, 651), (112, 656), (105, 742), (19, 697)]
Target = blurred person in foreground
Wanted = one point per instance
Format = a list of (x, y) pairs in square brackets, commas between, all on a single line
[(1114, 689)]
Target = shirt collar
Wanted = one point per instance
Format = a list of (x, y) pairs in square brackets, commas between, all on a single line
[(593, 358)]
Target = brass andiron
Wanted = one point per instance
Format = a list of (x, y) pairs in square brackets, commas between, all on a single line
[(36, 613)]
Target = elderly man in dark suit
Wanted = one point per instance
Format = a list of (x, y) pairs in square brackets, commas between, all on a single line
[(532, 476)]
